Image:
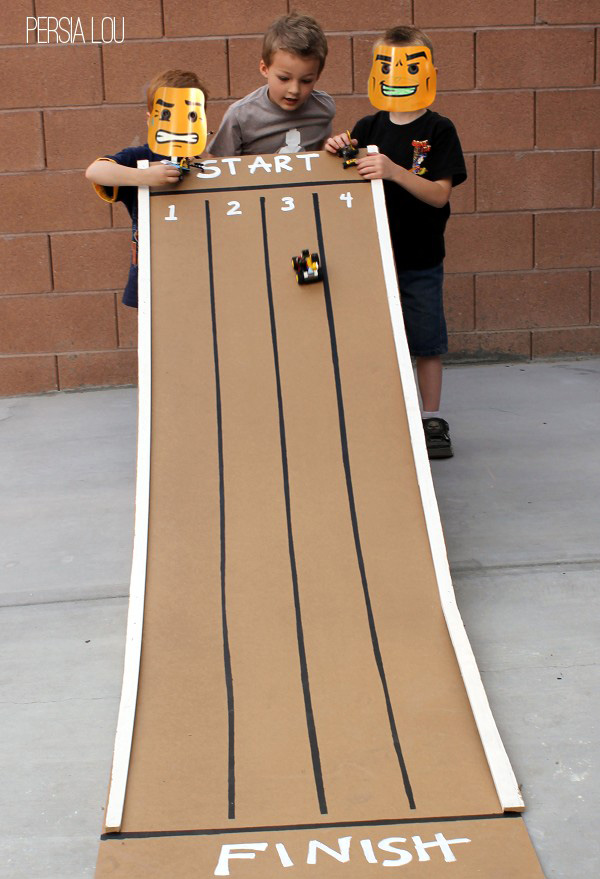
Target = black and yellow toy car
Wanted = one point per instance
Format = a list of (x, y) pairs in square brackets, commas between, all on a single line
[(307, 267), (348, 153)]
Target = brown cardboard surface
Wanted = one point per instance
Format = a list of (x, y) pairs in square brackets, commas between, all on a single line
[(486, 849), (296, 665)]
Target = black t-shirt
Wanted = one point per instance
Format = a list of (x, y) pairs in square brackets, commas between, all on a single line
[(417, 229), (128, 195)]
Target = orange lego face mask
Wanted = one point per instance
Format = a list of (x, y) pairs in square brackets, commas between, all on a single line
[(177, 123), (402, 78)]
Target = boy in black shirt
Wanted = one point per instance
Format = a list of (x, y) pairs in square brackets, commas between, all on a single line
[(420, 160), (117, 177)]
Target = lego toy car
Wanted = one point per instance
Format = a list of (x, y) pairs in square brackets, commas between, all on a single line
[(348, 153), (307, 267)]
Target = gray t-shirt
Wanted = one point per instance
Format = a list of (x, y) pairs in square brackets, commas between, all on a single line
[(256, 125)]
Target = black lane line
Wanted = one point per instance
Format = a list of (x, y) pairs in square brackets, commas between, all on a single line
[(353, 516), (235, 188), (276, 828), (310, 720), (226, 650)]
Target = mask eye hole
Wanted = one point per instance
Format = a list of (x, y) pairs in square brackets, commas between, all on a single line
[(192, 116), (165, 115), (413, 68), (385, 68)]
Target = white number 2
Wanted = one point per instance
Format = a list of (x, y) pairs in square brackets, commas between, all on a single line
[(289, 203), (234, 208), (345, 196)]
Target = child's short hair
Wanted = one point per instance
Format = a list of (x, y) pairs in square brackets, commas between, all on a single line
[(405, 35), (172, 79), (298, 34)]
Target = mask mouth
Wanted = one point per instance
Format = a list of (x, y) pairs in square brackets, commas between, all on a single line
[(163, 136), (397, 91)]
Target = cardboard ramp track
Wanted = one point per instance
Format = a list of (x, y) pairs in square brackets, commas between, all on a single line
[(299, 692)]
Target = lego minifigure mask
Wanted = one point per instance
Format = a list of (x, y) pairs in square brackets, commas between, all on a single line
[(402, 78), (177, 123)]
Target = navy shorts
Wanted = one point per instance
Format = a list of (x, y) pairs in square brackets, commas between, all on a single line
[(421, 295)]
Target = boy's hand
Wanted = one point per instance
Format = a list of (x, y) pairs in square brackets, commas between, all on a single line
[(377, 167), (161, 175), (338, 142)]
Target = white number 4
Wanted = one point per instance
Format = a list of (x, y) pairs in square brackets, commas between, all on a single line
[(345, 196)]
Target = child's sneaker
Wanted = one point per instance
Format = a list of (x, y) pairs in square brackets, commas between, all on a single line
[(437, 438)]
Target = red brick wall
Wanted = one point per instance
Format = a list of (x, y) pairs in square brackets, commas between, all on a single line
[(519, 79)]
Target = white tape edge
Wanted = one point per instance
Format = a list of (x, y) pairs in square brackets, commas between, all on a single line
[(135, 617), (497, 758)]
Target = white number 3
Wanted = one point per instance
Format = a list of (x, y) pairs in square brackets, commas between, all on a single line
[(289, 203)]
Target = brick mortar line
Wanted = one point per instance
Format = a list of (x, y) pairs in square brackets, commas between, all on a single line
[(39, 354), (533, 271), (431, 29), (221, 99), (116, 315), (162, 19), (51, 265), (534, 242), (54, 294), (535, 150), (102, 75), (40, 232), (502, 331), (44, 142)]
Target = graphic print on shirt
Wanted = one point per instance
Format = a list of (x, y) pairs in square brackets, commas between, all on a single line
[(292, 142)]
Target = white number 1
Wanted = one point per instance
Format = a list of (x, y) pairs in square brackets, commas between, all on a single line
[(345, 196), (171, 213)]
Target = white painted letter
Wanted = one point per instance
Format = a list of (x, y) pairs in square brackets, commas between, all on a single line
[(343, 855), (386, 845), (283, 855), (259, 162), (212, 171), (307, 157), (231, 163), (282, 162), (440, 842), (367, 847), (245, 850)]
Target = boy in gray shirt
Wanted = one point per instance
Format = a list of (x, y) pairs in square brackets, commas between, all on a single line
[(286, 115)]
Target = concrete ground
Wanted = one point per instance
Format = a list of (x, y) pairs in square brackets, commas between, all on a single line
[(520, 504)]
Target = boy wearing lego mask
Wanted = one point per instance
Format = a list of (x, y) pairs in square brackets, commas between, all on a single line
[(420, 160), (176, 135)]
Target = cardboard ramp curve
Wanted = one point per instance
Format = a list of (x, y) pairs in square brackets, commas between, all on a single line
[(299, 695)]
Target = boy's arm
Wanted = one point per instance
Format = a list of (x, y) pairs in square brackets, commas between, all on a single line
[(106, 172), (378, 167)]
